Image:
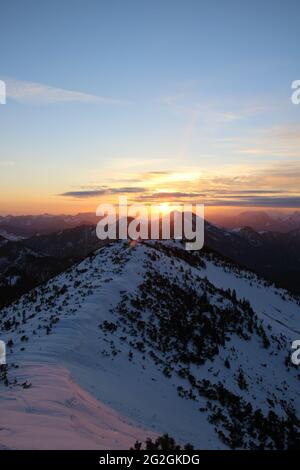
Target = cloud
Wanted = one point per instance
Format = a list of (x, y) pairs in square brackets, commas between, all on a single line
[(38, 93), (246, 192), (209, 197), (150, 173), (101, 192), (236, 201), (278, 141), (271, 185), (170, 195), (238, 198), (126, 190), (84, 194), (280, 202)]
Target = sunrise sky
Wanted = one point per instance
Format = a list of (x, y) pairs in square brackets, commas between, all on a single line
[(173, 101)]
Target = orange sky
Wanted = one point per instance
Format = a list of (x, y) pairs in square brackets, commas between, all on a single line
[(232, 189)]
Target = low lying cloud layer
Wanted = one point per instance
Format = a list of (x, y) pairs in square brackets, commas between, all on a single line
[(101, 192), (269, 186)]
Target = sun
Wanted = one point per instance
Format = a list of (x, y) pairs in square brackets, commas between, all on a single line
[(164, 208)]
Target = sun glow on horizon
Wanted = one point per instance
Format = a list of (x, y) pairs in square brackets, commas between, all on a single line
[(164, 208)]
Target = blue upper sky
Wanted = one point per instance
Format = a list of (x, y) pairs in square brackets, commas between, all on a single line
[(105, 93)]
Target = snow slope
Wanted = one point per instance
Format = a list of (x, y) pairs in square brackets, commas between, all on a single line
[(94, 379), (56, 413)]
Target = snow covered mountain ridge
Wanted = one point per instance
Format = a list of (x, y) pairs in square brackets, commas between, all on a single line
[(142, 339)]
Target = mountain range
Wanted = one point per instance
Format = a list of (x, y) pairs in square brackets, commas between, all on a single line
[(27, 262), (25, 226), (270, 221)]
